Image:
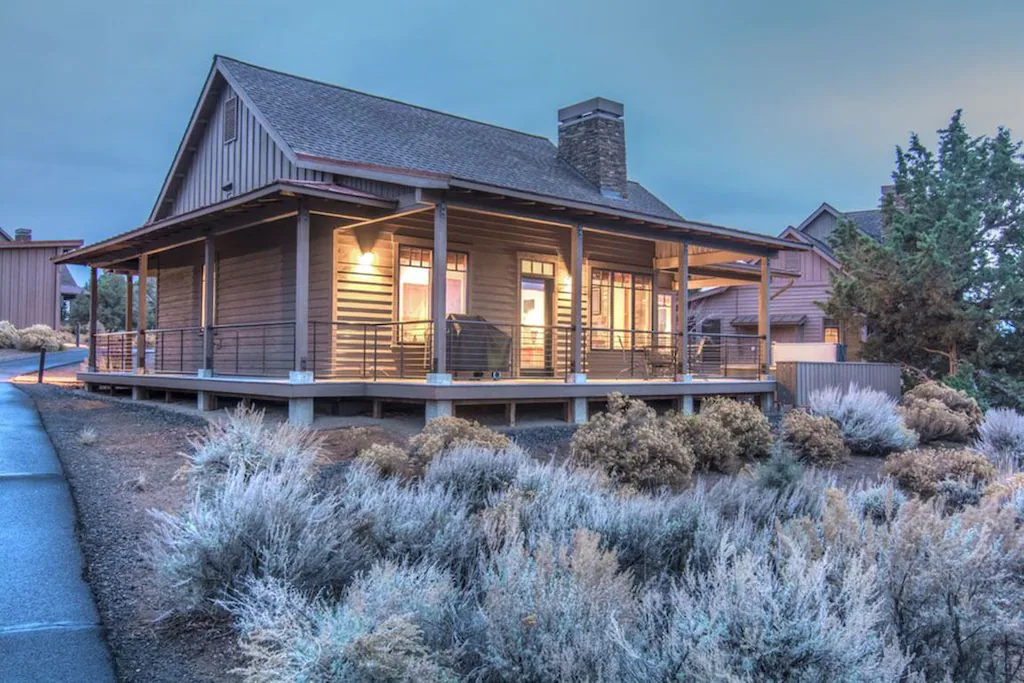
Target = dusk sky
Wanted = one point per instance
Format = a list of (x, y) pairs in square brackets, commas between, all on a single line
[(745, 113)]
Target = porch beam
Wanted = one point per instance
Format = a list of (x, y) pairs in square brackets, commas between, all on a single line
[(438, 275), (129, 294), (764, 328), (701, 259), (93, 309), (302, 286), (576, 265), (703, 282), (209, 287), (140, 352), (683, 310)]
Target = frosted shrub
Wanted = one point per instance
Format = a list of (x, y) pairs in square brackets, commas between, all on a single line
[(38, 338), (633, 446), (389, 459), (547, 614), (814, 438), (444, 433), (933, 421), (270, 523), (957, 494), (921, 470), (1002, 437), (868, 419), (780, 472), (475, 472), (954, 400), (395, 623), (714, 447), (8, 335), (757, 618), (747, 424), (244, 442), (879, 504)]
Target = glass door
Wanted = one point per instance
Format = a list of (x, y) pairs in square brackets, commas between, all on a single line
[(535, 321)]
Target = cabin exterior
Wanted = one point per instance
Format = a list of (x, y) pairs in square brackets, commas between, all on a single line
[(800, 329), (33, 290), (301, 235)]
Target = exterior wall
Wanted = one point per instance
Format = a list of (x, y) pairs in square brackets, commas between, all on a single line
[(796, 381), (29, 285), (822, 226), (252, 161), (800, 299)]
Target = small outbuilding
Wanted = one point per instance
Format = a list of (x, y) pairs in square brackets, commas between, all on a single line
[(33, 288)]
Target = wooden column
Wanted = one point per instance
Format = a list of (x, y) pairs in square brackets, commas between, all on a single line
[(438, 275), (93, 308), (576, 265), (764, 327), (302, 286), (208, 289), (140, 363), (683, 309), (129, 295)]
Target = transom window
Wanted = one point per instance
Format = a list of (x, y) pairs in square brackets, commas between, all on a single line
[(538, 268), (620, 309), (414, 309)]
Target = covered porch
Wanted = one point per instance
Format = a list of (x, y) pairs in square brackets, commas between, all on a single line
[(312, 291)]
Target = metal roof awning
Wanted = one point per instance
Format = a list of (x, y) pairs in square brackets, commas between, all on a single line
[(782, 320)]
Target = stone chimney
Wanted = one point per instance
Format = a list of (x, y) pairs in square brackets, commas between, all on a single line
[(22, 235), (592, 138), (888, 190)]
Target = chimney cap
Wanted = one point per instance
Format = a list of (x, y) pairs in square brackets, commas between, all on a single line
[(22, 235), (595, 106)]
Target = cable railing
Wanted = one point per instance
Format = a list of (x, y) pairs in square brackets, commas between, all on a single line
[(371, 351), (175, 350), (614, 353), (254, 349), (479, 349), (115, 351)]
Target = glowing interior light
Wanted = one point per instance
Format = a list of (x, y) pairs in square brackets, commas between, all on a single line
[(366, 258)]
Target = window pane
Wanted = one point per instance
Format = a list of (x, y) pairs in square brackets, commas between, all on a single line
[(642, 312), (413, 301), (622, 314), (600, 307), (666, 315), (455, 292)]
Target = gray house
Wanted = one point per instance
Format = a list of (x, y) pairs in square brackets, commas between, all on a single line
[(315, 244)]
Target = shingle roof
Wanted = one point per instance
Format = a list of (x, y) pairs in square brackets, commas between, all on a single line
[(328, 121), (68, 285), (869, 222)]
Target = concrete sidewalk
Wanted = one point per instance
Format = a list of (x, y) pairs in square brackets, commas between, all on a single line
[(22, 366), (49, 626)]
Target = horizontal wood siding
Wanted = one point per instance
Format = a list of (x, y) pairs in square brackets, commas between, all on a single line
[(29, 293), (251, 161), (179, 276)]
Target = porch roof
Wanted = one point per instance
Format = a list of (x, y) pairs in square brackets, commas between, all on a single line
[(781, 320)]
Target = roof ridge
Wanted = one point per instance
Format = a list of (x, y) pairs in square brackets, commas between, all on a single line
[(381, 97)]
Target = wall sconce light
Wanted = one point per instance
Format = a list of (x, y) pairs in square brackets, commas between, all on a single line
[(567, 282), (366, 258)]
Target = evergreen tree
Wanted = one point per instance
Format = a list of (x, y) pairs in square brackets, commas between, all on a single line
[(110, 313)]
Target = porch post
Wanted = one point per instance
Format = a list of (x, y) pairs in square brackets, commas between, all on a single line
[(140, 353), (93, 307), (209, 256), (764, 327), (302, 287), (683, 312), (438, 305), (576, 263), (129, 294)]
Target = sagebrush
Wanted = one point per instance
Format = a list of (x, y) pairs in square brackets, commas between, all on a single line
[(8, 335), (39, 338), (714, 447), (444, 433), (922, 470), (1001, 437), (747, 424), (814, 438), (868, 419)]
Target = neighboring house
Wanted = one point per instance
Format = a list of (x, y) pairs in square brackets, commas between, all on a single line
[(796, 316), (301, 229), (33, 289)]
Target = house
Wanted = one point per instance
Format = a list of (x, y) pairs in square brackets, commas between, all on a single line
[(34, 290), (316, 244), (796, 318)]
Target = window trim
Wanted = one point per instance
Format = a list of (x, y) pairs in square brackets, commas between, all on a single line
[(232, 100), (397, 274), (651, 308)]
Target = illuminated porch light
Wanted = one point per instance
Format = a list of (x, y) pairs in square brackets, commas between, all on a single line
[(366, 258)]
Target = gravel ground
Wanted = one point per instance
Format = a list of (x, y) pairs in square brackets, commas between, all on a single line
[(114, 482)]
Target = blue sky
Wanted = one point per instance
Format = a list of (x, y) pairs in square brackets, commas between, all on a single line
[(743, 112)]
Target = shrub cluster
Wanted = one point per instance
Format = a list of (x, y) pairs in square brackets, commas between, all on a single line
[(869, 420), (493, 567), (37, 338), (938, 412), (444, 433), (1001, 437), (815, 439), (747, 424), (922, 470), (714, 447), (954, 400), (8, 335), (633, 446)]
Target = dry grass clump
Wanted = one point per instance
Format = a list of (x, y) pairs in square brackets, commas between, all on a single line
[(390, 460), (633, 446), (869, 420), (922, 470), (748, 425), (87, 437), (444, 433), (714, 447), (814, 438), (8, 335), (955, 400), (39, 337)]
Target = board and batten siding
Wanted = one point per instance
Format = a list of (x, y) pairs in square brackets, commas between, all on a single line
[(29, 287), (253, 160)]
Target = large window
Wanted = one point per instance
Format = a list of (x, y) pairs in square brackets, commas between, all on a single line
[(666, 317), (620, 310), (414, 265)]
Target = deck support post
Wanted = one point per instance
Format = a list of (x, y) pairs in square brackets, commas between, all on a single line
[(578, 375), (767, 402), (300, 411), (93, 304), (686, 405), (139, 393), (209, 257), (578, 410), (683, 313), (129, 296), (206, 401), (438, 305), (438, 409), (764, 327), (301, 288), (140, 351)]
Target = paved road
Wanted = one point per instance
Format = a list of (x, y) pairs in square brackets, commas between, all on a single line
[(49, 626), (20, 366)]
